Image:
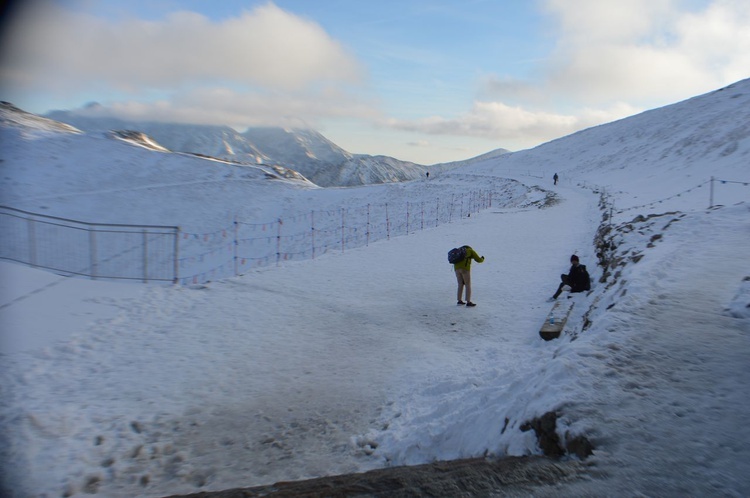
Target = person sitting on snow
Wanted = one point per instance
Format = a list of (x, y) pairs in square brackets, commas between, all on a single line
[(577, 278)]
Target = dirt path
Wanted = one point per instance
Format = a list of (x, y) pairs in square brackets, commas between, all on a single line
[(471, 477)]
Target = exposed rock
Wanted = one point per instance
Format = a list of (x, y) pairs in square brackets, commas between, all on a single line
[(545, 428)]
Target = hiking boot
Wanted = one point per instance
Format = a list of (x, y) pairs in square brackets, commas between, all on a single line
[(470, 304), (460, 303)]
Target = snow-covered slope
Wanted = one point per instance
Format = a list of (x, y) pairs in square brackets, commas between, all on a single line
[(215, 141), (296, 146), (12, 116), (360, 358), (52, 168), (655, 154), (99, 177), (305, 151), (138, 138)]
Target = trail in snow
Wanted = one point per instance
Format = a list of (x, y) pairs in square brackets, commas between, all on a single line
[(669, 375), (272, 376)]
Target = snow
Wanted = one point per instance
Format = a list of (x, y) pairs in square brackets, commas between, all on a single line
[(360, 359), (303, 150)]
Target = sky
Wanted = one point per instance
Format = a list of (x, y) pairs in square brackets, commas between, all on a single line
[(421, 80)]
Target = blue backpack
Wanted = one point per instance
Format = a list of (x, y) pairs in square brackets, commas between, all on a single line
[(456, 255)]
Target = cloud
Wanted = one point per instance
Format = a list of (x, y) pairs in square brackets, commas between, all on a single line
[(264, 67), (419, 143), (224, 106), (612, 59), (63, 51), (512, 125), (647, 52)]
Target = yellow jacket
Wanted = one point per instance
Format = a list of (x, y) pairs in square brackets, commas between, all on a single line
[(466, 263)]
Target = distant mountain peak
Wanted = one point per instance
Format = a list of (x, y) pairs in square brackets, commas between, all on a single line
[(13, 116), (303, 150)]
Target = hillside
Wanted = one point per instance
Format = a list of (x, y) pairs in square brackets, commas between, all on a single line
[(662, 151), (305, 151), (357, 357)]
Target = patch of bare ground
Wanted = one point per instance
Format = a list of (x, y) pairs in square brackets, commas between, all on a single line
[(506, 477)]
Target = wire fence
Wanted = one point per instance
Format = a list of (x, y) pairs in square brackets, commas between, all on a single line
[(712, 183), (167, 253), (607, 202), (243, 246), (96, 250)]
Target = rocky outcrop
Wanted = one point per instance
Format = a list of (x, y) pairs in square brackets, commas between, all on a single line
[(545, 428)]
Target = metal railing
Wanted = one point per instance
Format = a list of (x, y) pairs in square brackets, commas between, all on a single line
[(96, 250)]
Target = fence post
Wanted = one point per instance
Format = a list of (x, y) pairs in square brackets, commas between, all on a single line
[(92, 254), (343, 236), (407, 217), (32, 241), (177, 255), (387, 223), (236, 247), (278, 243), (437, 212), (145, 257), (312, 231), (368, 226), (711, 198)]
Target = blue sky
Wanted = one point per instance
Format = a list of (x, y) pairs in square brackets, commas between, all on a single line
[(422, 80)]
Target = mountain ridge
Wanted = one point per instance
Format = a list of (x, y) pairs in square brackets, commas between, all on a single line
[(305, 151)]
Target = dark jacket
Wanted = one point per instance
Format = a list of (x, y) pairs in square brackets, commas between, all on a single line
[(578, 279)]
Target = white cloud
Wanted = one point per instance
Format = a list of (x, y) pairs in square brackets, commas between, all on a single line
[(612, 59), (512, 125), (646, 51), (584, 22), (419, 143), (718, 40), (264, 67), (223, 106), (60, 50)]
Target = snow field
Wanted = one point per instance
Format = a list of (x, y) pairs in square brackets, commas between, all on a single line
[(273, 375), (360, 359)]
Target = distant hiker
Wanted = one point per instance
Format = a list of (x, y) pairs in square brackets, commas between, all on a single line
[(463, 275), (577, 278), (428, 175), (555, 178)]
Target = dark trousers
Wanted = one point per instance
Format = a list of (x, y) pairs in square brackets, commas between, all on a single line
[(565, 280)]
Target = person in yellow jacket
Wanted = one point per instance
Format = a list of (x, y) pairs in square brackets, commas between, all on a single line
[(463, 275)]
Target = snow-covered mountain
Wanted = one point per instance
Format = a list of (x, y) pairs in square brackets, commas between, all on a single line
[(677, 146), (12, 116), (360, 359), (302, 150)]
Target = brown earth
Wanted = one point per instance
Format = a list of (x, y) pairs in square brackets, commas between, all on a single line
[(506, 477)]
